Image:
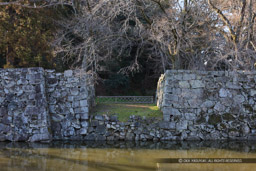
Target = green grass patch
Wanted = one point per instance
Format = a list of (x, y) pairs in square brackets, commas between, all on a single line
[(124, 111)]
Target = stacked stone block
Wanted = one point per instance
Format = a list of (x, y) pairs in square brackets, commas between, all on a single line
[(69, 100), (41, 105), (23, 105), (210, 104)]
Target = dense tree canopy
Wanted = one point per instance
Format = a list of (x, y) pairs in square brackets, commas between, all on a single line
[(25, 36)]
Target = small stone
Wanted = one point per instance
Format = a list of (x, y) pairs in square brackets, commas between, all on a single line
[(182, 125), (190, 116), (113, 127), (39, 137), (3, 111), (83, 131), (99, 117), (245, 130), (84, 124), (184, 84), (69, 132), (101, 138), (90, 137), (208, 104), (164, 125), (4, 128), (83, 103), (184, 135), (197, 84), (219, 107), (101, 129), (129, 136), (74, 91), (189, 77), (223, 92), (111, 138), (252, 92), (252, 137), (113, 119), (94, 123), (57, 117), (239, 99), (68, 73), (76, 125), (84, 116)]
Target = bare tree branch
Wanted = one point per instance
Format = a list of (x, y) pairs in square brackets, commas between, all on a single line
[(38, 3)]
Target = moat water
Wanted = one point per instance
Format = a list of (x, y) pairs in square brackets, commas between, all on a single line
[(123, 156)]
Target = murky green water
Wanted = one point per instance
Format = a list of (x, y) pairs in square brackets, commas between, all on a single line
[(101, 156)]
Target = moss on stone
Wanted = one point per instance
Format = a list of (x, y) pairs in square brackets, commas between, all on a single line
[(253, 116), (241, 117), (228, 116), (214, 119), (232, 130), (176, 118), (223, 126), (249, 108), (201, 119)]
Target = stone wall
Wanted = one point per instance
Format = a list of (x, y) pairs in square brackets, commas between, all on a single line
[(41, 105), (210, 105), (104, 127), (69, 100), (108, 128), (23, 105)]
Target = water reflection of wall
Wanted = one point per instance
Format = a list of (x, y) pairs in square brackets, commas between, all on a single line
[(210, 104), (103, 155)]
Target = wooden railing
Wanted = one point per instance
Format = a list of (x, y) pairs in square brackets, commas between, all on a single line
[(125, 99)]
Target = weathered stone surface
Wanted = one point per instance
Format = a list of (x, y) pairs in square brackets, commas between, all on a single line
[(190, 116), (4, 128), (164, 125), (84, 124), (40, 137), (208, 104), (35, 102), (68, 73), (223, 92), (83, 103), (57, 117), (252, 92), (219, 107), (130, 136), (219, 103), (90, 137), (245, 130), (113, 118), (184, 84), (101, 129), (197, 84), (239, 99), (83, 131), (182, 125)]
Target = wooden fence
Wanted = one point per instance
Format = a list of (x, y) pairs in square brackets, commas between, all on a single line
[(125, 99)]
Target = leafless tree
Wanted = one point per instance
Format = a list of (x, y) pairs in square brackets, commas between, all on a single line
[(236, 24), (37, 3), (175, 35)]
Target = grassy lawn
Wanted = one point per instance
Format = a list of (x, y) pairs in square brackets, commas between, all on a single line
[(123, 111)]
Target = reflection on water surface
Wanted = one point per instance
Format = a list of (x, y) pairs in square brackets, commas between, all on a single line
[(104, 156)]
